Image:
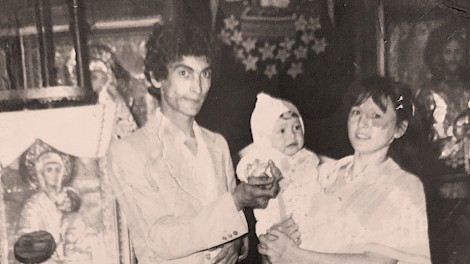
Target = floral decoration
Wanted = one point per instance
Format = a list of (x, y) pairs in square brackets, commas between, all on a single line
[(272, 57)]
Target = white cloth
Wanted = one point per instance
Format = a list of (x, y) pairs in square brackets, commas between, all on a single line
[(298, 186), (40, 213), (382, 210), (83, 131), (267, 110), (299, 170), (255, 160)]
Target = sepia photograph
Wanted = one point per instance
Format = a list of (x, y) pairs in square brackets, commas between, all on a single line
[(235, 131)]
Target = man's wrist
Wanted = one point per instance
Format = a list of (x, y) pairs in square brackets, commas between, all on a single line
[(236, 199), (244, 248)]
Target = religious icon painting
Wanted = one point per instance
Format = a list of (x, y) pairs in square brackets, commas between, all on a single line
[(56, 202), (59, 209)]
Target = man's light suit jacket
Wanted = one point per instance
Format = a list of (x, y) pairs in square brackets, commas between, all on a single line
[(168, 222)]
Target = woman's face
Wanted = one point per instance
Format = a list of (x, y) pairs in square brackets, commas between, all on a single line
[(370, 129), (453, 55), (53, 173), (98, 80)]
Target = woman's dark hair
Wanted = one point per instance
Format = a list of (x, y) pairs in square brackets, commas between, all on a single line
[(380, 90), (437, 41), (407, 149), (169, 43)]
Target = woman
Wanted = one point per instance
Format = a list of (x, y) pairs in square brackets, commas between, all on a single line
[(55, 206), (447, 94), (48, 170), (370, 210)]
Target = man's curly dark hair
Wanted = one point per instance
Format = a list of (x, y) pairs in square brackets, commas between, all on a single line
[(170, 42)]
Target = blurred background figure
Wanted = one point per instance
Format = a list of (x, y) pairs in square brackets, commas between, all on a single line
[(104, 71), (447, 94), (445, 101)]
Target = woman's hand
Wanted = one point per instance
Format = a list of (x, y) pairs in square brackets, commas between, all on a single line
[(289, 228), (278, 247)]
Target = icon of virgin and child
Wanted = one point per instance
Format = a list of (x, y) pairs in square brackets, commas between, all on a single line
[(50, 226)]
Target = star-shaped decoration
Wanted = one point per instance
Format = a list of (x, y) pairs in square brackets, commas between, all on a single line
[(231, 23), (250, 63), (237, 37), (239, 53), (225, 36), (249, 44), (307, 38), (283, 55), (300, 23), (314, 23), (267, 51), (287, 43), (271, 70), (295, 69), (301, 52), (320, 45)]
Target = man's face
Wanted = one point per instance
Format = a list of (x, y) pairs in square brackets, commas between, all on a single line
[(186, 86), (453, 55)]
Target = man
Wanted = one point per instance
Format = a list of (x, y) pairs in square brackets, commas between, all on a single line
[(173, 179)]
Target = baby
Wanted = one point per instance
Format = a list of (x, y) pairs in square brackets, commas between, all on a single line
[(278, 135)]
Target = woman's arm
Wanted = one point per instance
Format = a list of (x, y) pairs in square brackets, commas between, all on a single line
[(280, 249), (289, 228)]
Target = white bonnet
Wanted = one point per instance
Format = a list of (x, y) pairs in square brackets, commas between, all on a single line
[(267, 110)]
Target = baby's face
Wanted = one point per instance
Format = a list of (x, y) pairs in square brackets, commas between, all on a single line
[(287, 135), (66, 205)]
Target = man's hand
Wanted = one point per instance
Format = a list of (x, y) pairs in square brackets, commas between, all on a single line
[(257, 192), (232, 251)]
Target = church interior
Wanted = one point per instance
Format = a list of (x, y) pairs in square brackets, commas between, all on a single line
[(55, 53)]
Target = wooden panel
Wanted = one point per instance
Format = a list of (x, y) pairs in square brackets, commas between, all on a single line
[(97, 10)]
